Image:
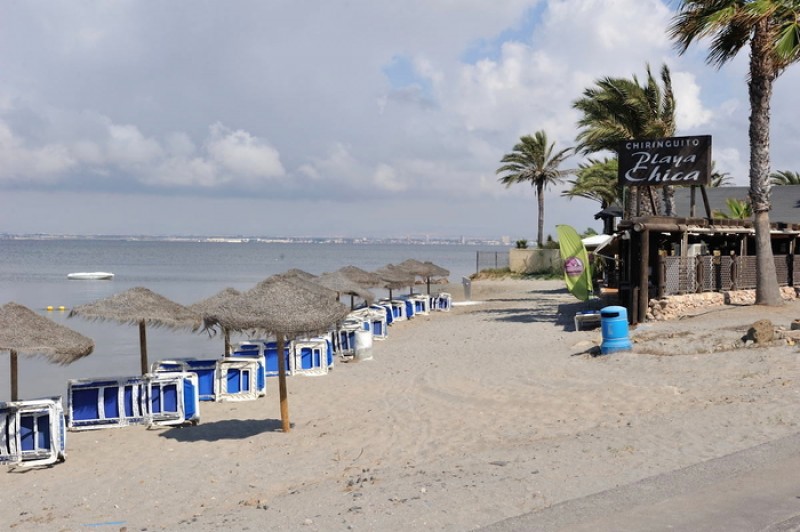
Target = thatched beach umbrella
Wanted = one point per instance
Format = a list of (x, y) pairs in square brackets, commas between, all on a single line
[(24, 331), (302, 274), (394, 278), (434, 270), (425, 270), (287, 308), (142, 307), (342, 284), (211, 306), (362, 277), (413, 267)]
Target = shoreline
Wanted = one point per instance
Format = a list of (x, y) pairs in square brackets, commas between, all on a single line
[(462, 419)]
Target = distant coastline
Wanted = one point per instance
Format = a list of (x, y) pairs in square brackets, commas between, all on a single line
[(460, 241)]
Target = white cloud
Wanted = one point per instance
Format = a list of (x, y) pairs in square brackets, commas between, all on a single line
[(20, 163), (175, 96), (179, 145), (386, 178), (732, 162), (242, 154), (690, 112), (125, 145), (185, 172)]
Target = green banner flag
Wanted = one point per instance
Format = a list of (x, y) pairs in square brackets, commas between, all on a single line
[(577, 270)]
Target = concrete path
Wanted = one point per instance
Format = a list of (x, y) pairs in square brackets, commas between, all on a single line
[(757, 489)]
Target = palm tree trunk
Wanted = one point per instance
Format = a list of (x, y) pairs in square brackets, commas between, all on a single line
[(669, 200), (540, 199), (762, 75)]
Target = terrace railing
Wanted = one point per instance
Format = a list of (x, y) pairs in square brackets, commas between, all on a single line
[(707, 273)]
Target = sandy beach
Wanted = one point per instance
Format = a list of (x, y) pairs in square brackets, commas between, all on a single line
[(462, 419)]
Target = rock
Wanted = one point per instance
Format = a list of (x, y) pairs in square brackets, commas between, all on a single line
[(795, 325), (761, 332)]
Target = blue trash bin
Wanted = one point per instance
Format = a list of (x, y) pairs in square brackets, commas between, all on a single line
[(614, 324)]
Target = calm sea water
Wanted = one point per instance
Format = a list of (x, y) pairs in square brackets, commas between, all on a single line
[(34, 273)]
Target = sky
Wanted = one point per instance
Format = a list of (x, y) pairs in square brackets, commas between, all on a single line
[(359, 118)]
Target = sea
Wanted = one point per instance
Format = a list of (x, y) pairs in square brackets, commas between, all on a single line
[(34, 273)]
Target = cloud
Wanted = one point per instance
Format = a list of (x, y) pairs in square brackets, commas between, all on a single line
[(228, 158), (125, 145), (21, 164), (386, 178), (690, 112), (243, 155), (355, 101)]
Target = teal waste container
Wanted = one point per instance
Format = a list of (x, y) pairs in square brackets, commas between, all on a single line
[(614, 324)]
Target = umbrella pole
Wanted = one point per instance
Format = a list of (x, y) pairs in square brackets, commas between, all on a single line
[(352, 302), (428, 279), (14, 382), (143, 346), (282, 383), (227, 341)]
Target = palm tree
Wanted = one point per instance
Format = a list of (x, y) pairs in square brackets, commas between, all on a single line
[(737, 210), (784, 177), (619, 109), (719, 179), (596, 180), (534, 160), (772, 29)]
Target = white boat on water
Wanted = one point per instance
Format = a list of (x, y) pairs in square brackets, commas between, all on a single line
[(91, 276)]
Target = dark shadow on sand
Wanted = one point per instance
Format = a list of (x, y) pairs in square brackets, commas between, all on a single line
[(548, 291), (521, 315), (563, 316), (226, 429)]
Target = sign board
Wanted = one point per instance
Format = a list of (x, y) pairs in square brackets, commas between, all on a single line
[(668, 161)]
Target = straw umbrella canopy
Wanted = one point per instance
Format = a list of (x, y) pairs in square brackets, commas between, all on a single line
[(24, 331), (426, 270), (302, 274), (285, 307), (394, 278), (415, 268), (142, 307), (302, 282), (362, 277), (342, 284), (434, 270), (211, 305)]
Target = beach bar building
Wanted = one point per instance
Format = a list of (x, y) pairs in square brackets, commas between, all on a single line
[(659, 256)]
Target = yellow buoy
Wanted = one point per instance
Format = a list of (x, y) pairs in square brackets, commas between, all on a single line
[(49, 308)]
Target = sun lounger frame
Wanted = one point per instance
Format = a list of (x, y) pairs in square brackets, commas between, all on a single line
[(141, 400), (238, 379), (32, 432)]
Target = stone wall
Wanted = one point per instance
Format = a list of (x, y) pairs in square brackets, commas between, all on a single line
[(534, 260), (672, 307)]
